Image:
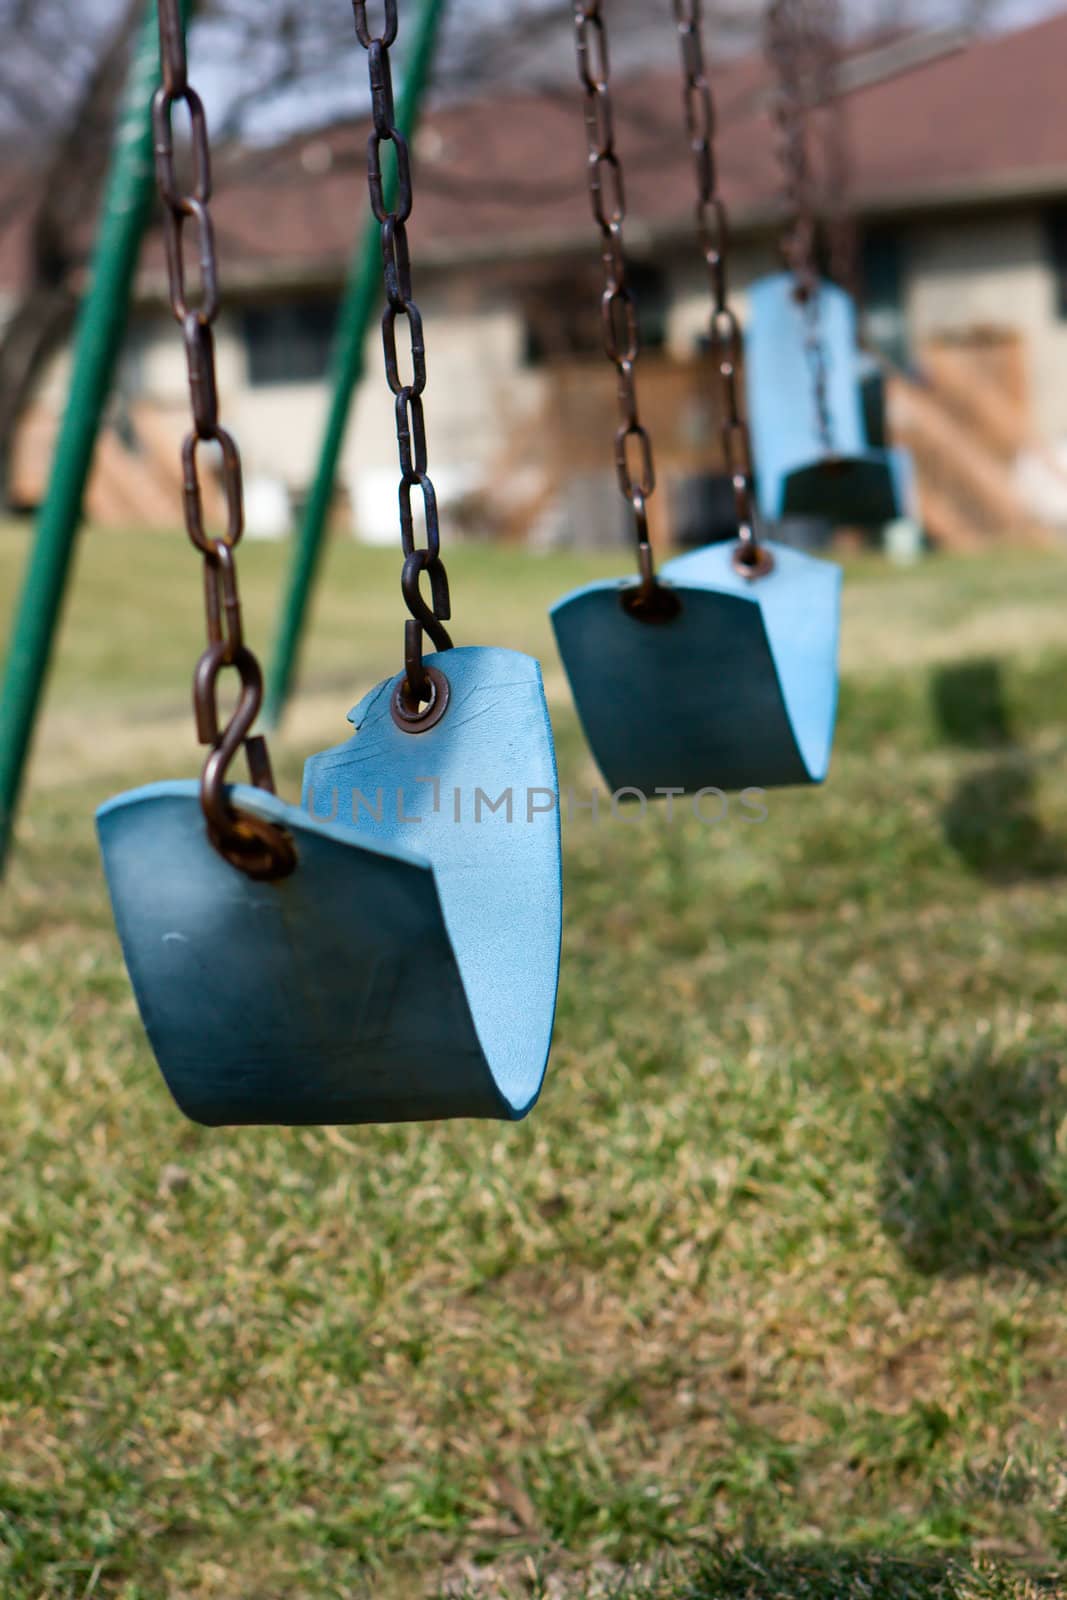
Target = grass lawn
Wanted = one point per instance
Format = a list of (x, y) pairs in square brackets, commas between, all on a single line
[(766, 1298)]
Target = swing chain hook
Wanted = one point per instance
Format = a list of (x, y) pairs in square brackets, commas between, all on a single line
[(257, 847), (750, 558), (634, 463), (421, 697)]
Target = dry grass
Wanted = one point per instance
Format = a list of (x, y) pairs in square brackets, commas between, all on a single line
[(765, 1299)]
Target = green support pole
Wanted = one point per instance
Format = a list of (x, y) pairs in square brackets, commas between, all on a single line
[(97, 340), (361, 298)]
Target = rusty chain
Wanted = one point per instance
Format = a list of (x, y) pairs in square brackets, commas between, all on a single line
[(636, 477), (826, 45), (789, 42), (422, 696), (713, 225), (259, 848)]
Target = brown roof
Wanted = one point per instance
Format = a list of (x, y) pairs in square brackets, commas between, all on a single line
[(988, 118), (504, 179)]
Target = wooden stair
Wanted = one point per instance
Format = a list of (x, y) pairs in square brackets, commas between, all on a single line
[(136, 474), (965, 421)]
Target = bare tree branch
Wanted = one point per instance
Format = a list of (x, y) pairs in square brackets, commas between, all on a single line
[(277, 67)]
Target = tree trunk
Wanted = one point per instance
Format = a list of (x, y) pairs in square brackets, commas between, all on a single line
[(69, 191), (38, 328)]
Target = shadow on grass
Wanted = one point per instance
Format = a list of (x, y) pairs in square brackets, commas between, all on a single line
[(826, 1573), (969, 705), (755, 1572), (991, 819), (992, 824), (973, 1178)]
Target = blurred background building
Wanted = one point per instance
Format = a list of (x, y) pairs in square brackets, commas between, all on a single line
[(957, 147)]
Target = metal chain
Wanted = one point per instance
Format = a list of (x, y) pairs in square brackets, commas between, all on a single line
[(637, 479), (713, 226), (260, 849), (788, 41), (826, 44), (422, 696)]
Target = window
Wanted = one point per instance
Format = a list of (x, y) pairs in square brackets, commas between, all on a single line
[(649, 288), (883, 267), (563, 319), (130, 374), (1055, 221), (289, 342)]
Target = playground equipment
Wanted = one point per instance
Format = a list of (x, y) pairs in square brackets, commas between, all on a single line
[(98, 337), (346, 369), (803, 366), (126, 209), (665, 637), (722, 670), (328, 963)]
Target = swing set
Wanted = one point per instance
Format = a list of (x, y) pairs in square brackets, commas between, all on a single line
[(814, 458), (324, 963)]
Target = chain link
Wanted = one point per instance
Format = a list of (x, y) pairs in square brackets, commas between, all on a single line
[(713, 226), (422, 686), (790, 41), (258, 848), (634, 463), (826, 43)]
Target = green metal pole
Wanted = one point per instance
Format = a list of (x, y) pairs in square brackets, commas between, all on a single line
[(361, 298), (97, 340)]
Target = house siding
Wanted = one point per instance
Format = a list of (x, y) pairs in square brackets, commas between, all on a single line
[(994, 271), (486, 407)]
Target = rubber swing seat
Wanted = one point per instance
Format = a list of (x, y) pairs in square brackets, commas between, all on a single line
[(850, 483), (846, 491), (407, 969), (736, 690)]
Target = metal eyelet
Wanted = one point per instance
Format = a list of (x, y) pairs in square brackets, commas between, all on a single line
[(752, 561), (651, 603), (420, 720)]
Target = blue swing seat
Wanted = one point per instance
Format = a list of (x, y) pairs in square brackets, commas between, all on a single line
[(855, 485), (407, 969), (737, 690)]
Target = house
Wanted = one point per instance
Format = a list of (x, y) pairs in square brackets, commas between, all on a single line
[(958, 158)]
